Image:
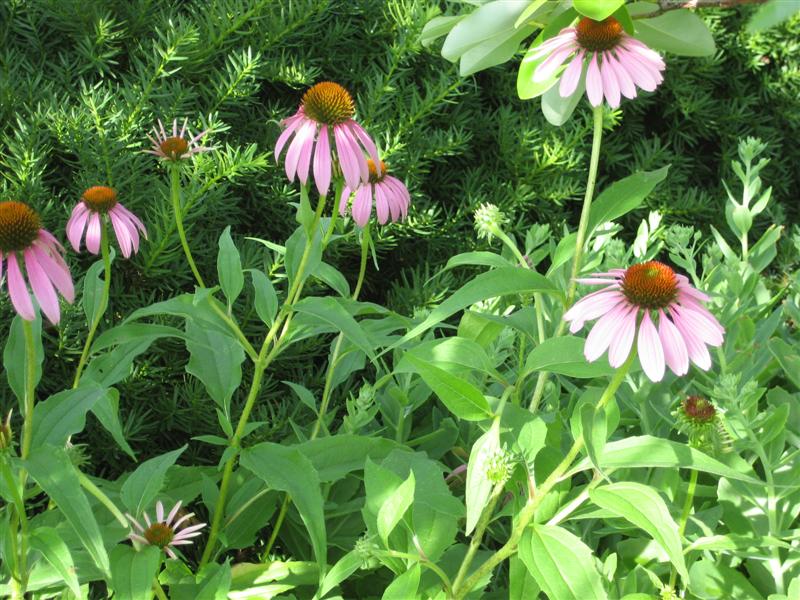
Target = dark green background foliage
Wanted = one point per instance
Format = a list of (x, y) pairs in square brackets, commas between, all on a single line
[(82, 83)]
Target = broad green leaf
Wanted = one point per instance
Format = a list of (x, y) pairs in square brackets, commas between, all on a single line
[(336, 456), (597, 9), (593, 431), (184, 306), (52, 469), (213, 582), (772, 13), (489, 25), (92, 291), (285, 469), (47, 541), (295, 248), (63, 414), (405, 586), (134, 332), (271, 578), (455, 355), (680, 32), (333, 279), (645, 508), (561, 564), (493, 52), (344, 567), (229, 267), (479, 487), (557, 109), (526, 87), (480, 259), (521, 584), (564, 355), (106, 410), (15, 356), (394, 507), (710, 581), (266, 300), (216, 360), (528, 13), (143, 485), (788, 357), (132, 572), (648, 451), (330, 312), (437, 27), (497, 282), (460, 397), (623, 196)]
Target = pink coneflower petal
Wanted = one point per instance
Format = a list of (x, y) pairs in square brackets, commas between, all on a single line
[(304, 135), (626, 85), (346, 193), (185, 517), (381, 204), (162, 532), (698, 353), (322, 161), (610, 84), (651, 353), (93, 234), (362, 205), (571, 76), (173, 512), (600, 336), (590, 308), (122, 233), (550, 65), (594, 82), (42, 287), (56, 270), (304, 162), (17, 289), (76, 225), (358, 155), (292, 125), (620, 347), (174, 145), (359, 133), (348, 158), (640, 74), (703, 327), (675, 353), (566, 37)]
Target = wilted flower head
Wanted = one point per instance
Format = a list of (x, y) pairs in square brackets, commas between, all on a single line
[(326, 109), (95, 202), (390, 194), (617, 63), (22, 237), (178, 146), (489, 220), (163, 532), (631, 301)]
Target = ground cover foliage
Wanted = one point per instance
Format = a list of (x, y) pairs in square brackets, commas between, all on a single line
[(82, 83)]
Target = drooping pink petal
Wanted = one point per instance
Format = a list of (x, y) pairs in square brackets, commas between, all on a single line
[(594, 82), (56, 270), (362, 204), (76, 225), (295, 148), (550, 65), (121, 225), (93, 234), (133, 219), (42, 288), (17, 289), (357, 131), (304, 162), (402, 197), (361, 161), (641, 76), (185, 517), (622, 340), (381, 204), (322, 162), (610, 83), (571, 76), (592, 307), (626, 85), (698, 353), (343, 200), (565, 37), (603, 331), (648, 53), (675, 353), (651, 352), (348, 159)]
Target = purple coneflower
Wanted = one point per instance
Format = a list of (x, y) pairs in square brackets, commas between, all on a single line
[(22, 238), (163, 532), (95, 202), (326, 109), (175, 147), (654, 291), (390, 194), (618, 63)]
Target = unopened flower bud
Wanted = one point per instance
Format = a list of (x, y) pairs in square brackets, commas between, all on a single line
[(6, 434), (499, 467), (699, 420), (489, 220)]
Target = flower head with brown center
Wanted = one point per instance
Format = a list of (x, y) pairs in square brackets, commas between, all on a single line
[(24, 241), (596, 36), (651, 285), (100, 198), (328, 103), (698, 410), (165, 533), (376, 175), (19, 226), (179, 145)]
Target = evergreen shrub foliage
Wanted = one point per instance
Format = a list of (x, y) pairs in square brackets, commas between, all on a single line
[(81, 86)]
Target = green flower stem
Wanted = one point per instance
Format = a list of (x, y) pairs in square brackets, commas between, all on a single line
[(326, 392), (175, 193), (580, 242), (477, 535), (19, 575), (30, 389), (158, 590), (687, 508), (529, 510), (95, 491), (265, 357), (338, 187), (101, 310)]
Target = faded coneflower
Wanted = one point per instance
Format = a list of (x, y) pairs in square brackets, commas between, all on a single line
[(22, 238), (617, 63), (178, 146), (95, 202), (654, 292), (163, 532), (390, 194), (327, 109)]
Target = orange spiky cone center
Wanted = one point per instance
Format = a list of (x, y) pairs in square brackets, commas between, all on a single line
[(374, 176), (328, 103), (100, 198), (159, 534), (19, 226), (650, 285), (597, 36)]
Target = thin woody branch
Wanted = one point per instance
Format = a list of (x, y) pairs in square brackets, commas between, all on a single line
[(668, 5)]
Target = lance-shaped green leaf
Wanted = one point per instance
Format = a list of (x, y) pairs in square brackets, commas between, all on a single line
[(15, 357), (479, 487), (394, 507), (143, 485), (680, 32), (330, 312), (623, 196), (645, 508), (64, 414), (132, 571), (47, 541), (229, 267), (564, 355)]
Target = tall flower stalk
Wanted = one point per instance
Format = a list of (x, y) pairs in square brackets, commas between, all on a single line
[(580, 240), (177, 209)]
